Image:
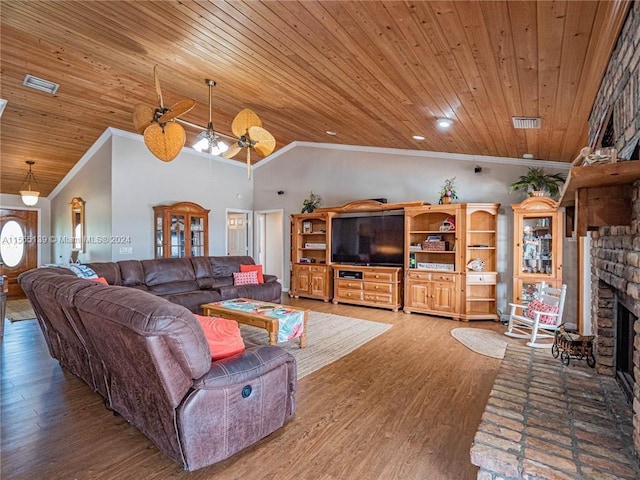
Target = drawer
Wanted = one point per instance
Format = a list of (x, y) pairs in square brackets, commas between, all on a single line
[(378, 298), (317, 269), (481, 278), (378, 287), (443, 277), (349, 284), (425, 276), (349, 294), (379, 277)]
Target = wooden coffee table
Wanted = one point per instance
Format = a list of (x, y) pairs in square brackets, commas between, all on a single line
[(259, 314)]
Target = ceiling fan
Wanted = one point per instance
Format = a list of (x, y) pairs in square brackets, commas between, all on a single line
[(247, 127), (163, 136)]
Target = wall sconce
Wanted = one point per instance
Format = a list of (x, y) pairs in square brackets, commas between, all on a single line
[(29, 196)]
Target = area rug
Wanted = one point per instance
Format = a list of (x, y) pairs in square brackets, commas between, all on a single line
[(329, 337), (17, 310), (485, 342)]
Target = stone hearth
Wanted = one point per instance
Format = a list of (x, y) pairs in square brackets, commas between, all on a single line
[(547, 421)]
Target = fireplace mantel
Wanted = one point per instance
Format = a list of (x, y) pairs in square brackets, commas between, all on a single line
[(599, 195)]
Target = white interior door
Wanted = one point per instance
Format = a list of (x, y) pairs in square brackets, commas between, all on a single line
[(270, 241), (237, 233)]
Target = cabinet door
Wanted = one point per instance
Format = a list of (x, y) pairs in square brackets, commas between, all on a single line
[(443, 296), (419, 295), (176, 239), (303, 281), (318, 283), (197, 236)]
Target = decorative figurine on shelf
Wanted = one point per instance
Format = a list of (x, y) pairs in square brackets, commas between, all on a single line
[(448, 191), (311, 203)]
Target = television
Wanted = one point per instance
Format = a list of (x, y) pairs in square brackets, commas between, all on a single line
[(368, 239)]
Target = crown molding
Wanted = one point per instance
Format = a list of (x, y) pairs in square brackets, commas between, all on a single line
[(419, 153)]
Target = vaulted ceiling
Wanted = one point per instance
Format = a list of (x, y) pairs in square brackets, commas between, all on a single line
[(374, 72)]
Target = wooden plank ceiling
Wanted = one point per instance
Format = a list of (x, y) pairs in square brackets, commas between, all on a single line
[(376, 73)]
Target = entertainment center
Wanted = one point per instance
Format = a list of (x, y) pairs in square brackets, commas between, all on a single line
[(433, 259)]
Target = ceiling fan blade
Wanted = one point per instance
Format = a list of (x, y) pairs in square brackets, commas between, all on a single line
[(179, 109), (156, 81), (142, 117), (165, 142), (243, 121), (265, 143), (233, 151)]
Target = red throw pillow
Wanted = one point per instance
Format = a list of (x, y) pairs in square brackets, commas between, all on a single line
[(256, 268), (223, 336), (101, 280), (538, 306), (245, 278)]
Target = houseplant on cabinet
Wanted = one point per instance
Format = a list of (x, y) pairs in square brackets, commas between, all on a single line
[(537, 182)]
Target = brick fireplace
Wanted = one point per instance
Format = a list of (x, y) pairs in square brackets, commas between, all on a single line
[(615, 273)]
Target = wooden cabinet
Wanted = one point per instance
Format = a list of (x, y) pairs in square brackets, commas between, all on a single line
[(370, 286), (181, 230), (537, 253), (432, 292), (310, 254), (433, 259), (443, 243), (479, 290)]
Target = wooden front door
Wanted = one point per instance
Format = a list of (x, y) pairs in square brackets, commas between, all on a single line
[(18, 245)]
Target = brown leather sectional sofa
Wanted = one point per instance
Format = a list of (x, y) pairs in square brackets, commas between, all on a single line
[(136, 344)]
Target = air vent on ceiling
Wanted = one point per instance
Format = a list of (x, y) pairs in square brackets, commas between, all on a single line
[(40, 84), (526, 122)]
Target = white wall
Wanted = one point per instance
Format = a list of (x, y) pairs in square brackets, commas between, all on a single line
[(91, 181), (140, 181), (344, 174), (43, 207)]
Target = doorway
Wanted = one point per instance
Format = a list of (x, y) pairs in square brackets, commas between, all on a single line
[(18, 246), (239, 232), (270, 241)]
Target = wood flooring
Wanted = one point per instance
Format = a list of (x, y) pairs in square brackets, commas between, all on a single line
[(404, 406)]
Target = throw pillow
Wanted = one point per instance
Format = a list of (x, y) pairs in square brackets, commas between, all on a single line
[(538, 306), (250, 268), (223, 336), (101, 280), (245, 278)]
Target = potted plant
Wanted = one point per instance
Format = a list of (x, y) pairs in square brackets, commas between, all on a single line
[(311, 203), (448, 191), (537, 182)]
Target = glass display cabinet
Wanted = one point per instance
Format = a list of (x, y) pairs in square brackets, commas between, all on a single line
[(537, 232), (181, 230)]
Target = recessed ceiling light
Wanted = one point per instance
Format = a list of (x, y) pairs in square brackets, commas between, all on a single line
[(418, 137), (527, 155), (444, 122), (3, 103), (40, 84), (330, 132)]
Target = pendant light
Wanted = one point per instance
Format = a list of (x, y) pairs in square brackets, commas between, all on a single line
[(208, 140), (29, 196)]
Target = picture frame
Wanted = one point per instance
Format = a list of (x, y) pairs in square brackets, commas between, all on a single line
[(307, 227)]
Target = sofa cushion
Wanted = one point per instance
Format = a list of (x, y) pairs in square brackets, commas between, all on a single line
[(256, 268), (245, 278), (132, 274), (225, 266), (109, 270), (223, 336), (193, 300), (169, 275)]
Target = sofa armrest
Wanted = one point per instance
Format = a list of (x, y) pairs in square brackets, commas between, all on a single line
[(246, 366), (269, 278)]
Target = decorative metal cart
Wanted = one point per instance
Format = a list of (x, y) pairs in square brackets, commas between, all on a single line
[(571, 344)]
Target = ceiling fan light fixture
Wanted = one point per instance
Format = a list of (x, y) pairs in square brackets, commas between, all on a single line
[(29, 196), (211, 143), (444, 122)]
